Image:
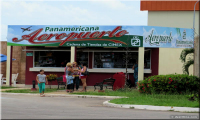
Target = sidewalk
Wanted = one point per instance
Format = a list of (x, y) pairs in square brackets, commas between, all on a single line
[(151, 107)]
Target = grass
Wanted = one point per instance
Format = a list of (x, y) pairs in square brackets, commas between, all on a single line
[(6, 87), (47, 90), (135, 98), (109, 93)]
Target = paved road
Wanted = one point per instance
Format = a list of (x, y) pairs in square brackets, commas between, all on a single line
[(35, 107)]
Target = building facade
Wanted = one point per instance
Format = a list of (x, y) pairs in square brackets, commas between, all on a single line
[(18, 65), (173, 14), (103, 49)]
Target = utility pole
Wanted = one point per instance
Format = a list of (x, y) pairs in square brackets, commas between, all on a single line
[(196, 48)]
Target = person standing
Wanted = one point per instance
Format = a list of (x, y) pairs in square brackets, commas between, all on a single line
[(135, 68), (41, 79), (76, 75), (83, 77), (69, 77)]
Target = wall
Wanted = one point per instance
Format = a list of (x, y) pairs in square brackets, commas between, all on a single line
[(93, 77), (180, 19), (18, 66), (169, 61)]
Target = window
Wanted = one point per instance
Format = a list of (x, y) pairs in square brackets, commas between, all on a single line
[(82, 57), (114, 59), (118, 59), (51, 59)]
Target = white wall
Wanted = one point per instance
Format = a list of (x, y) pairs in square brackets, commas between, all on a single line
[(180, 19), (169, 61)]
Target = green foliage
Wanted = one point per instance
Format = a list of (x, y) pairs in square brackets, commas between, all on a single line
[(187, 64), (51, 77), (170, 84), (29, 90), (193, 97), (6, 87), (136, 98)]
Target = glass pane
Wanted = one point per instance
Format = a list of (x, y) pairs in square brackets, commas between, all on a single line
[(114, 59), (82, 57), (51, 59)]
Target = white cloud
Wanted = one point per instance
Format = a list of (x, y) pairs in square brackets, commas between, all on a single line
[(70, 13), (113, 4), (4, 30), (10, 36)]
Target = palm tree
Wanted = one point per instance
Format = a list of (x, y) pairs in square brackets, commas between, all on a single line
[(189, 62)]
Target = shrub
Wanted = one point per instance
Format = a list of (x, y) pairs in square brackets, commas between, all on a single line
[(170, 84), (51, 77)]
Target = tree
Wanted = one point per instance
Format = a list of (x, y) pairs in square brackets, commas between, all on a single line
[(189, 62)]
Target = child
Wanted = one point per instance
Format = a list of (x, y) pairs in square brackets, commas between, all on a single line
[(41, 79), (70, 83)]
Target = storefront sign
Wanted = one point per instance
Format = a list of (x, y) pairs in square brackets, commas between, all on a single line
[(29, 54), (166, 37), (97, 36)]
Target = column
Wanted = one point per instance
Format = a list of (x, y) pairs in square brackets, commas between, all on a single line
[(72, 54), (141, 63), (9, 65), (196, 57)]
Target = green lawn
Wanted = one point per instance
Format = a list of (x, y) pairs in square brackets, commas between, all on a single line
[(134, 97), (167, 100), (29, 90), (6, 87), (124, 93)]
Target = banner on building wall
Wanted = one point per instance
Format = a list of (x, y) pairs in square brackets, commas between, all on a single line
[(99, 36)]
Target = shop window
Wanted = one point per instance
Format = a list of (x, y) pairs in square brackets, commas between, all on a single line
[(51, 59), (82, 57), (118, 59), (114, 59)]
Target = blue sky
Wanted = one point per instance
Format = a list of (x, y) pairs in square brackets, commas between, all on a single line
[(65, 12)]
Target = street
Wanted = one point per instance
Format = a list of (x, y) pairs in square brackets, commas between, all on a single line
[(35, 107)]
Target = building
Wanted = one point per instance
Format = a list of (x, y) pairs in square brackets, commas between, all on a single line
[(19, 65), (172, 14), (102, 48)]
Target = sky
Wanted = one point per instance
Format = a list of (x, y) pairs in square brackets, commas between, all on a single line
[(74, 12)]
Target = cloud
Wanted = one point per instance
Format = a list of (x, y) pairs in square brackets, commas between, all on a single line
[(11, 35), (44, 13), (113, 4), (4, 30), (71, 13), (10, 30)]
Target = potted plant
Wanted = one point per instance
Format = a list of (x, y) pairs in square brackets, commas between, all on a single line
[(51, 77)]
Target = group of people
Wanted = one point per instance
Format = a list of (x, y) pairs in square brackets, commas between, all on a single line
[(74, 73)]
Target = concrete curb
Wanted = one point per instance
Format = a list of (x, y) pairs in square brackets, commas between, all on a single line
[(151, 107), (63, 95)]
